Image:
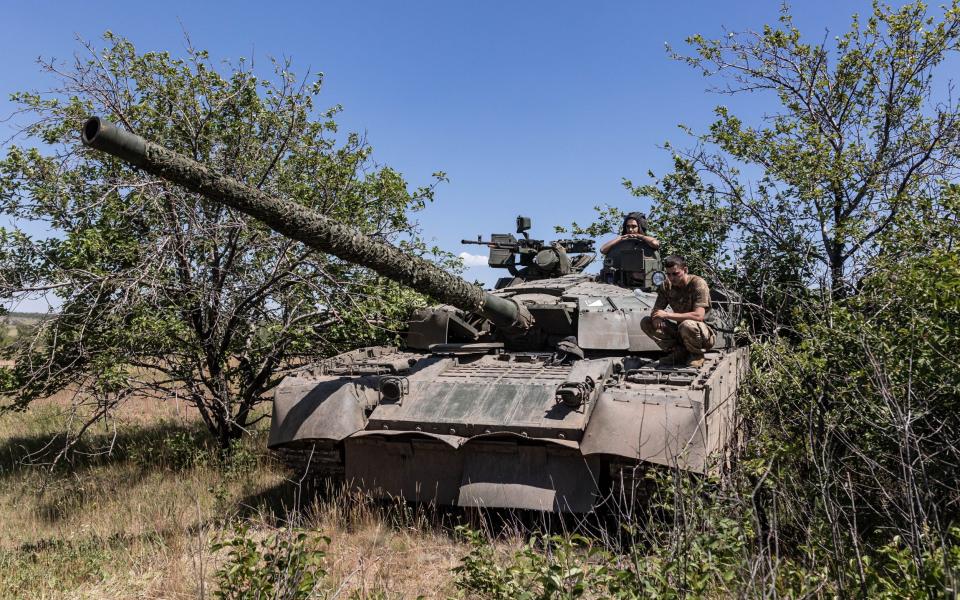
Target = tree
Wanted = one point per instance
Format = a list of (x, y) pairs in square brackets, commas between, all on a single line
[(689, 218), (848, 185), (164, 292), (859, 133)]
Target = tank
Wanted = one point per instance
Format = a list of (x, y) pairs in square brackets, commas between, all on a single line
[(539, 394)]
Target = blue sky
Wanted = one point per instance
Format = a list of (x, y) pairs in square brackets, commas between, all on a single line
[(540, 108)]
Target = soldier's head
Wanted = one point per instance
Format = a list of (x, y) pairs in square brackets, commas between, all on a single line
[(675, 267), (634, 222)]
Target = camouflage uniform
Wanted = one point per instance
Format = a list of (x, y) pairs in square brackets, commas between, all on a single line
[(694, 336)]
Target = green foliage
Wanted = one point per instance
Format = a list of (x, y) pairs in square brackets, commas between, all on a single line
[(841, 214), (566, 567), (552, 567), (689, 217), (690, 541), (175, 449), (862, 362), (836, 218), (287, 565), (51, 566), (854, 429), (860, 137), (719, 556), (609, 219), (179, 449), (168, 292), (695, 538), (895, 572)]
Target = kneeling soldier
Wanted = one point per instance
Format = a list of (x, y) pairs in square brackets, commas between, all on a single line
[(683, 332)]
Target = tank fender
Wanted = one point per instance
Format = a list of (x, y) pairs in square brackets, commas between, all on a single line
[(329, 408), (651, 426), (528, 476)]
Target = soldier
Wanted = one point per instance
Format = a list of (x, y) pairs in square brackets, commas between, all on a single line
[(634, 227), (683, 332)]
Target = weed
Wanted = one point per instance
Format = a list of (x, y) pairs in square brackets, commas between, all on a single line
[(550, 567), (287, 565)]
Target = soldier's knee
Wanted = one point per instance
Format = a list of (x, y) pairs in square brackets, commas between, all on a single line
[(695, 335), (646, 324)]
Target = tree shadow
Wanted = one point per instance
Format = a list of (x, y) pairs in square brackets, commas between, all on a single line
[(281, 502), (333, 501), (168, 445)]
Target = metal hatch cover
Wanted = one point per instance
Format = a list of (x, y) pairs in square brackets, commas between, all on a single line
[(600, 326)]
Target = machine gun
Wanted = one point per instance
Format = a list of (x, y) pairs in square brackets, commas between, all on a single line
[(538, 259)]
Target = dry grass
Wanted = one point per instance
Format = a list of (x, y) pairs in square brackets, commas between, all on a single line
[(371, 555), (138, 522)]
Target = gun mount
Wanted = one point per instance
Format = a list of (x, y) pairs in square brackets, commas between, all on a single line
[(538, 259), (543, 394)]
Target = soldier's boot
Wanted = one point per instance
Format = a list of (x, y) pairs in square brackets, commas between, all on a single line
[(676, 358), (695, 360)]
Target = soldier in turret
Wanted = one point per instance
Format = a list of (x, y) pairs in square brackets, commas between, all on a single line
[(683, 330), (634, 227)]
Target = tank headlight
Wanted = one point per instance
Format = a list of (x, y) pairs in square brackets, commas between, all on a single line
[(658, 278), (393, 388)]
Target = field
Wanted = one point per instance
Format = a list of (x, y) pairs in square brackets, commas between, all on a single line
[(141, 520), (16, 325)]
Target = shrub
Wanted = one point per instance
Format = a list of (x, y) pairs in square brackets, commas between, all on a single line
[(548, 567), (286, 565)]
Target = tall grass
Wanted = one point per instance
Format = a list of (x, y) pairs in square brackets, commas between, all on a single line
[(143, 501)]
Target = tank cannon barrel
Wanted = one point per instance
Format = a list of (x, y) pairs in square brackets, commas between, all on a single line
[(305, 225)]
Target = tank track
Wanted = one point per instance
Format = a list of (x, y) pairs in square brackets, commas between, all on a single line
[(626, 491), (315, 464)]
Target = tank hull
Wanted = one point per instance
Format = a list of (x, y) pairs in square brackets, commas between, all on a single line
[(486, 429)]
